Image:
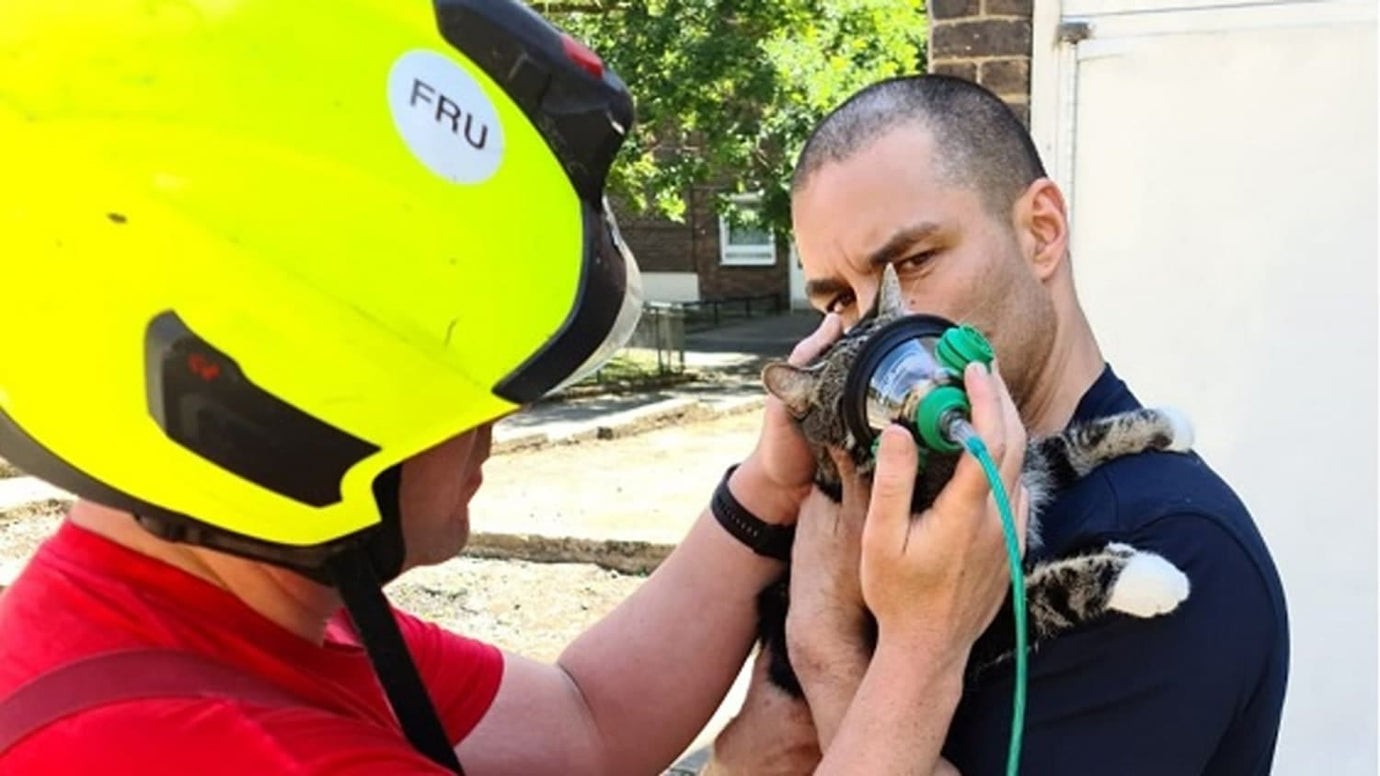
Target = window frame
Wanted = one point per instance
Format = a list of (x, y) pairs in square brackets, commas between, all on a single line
[(758, 255)]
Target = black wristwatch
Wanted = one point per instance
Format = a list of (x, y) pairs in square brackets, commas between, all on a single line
[(766, 539)]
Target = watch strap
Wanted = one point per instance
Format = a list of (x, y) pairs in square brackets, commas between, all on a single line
[(766, 539)]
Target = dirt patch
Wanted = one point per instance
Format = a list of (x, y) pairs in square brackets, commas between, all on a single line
[(533, 609), (647, 487), (22, 529)]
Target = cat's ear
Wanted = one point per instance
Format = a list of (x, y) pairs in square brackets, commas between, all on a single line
[(890, 303), (792, 385)]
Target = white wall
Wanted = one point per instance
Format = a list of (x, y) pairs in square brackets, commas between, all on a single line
[(1222, 169), (671, 286)]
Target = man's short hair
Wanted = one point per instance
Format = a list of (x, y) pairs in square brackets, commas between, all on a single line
[(979, 141)]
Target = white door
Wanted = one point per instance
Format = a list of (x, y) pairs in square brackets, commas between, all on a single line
[(1220, 158)]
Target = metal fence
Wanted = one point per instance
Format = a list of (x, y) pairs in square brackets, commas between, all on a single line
[(661, 329), (708, 313)]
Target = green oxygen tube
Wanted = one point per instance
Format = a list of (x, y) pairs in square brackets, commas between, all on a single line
[(963, 432), (942, 422)]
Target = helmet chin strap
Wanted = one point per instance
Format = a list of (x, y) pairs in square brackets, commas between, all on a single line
[(360, 573), (359, 586)]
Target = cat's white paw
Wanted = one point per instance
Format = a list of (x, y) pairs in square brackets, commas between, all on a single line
[(1183, 429), (1148, 586)]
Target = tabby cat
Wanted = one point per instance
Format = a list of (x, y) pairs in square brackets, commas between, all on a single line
[(1061, 593)]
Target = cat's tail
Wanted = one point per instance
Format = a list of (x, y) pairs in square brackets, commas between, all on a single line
[(1067, 593), (1147, 586), (1064, 593), (1074, 453)]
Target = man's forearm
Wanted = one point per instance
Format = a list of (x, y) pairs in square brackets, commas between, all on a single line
[(654, 670), (830, 683), (899, 717)]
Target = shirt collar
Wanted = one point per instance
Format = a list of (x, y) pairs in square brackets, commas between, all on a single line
[(1108, 395)]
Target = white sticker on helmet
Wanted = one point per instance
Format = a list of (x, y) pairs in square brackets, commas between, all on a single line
[(445, 117)]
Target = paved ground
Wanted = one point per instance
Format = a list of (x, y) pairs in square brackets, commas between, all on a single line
[(772, 336), (598, 417), (729, 360), (646, 488)]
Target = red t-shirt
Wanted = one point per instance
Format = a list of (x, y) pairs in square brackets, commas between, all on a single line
[(82, 594)]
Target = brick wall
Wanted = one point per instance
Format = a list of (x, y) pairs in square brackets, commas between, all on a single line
[(987, 41), (661, 245), (717, 280)]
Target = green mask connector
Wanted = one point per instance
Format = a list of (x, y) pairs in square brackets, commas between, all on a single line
[(958, 347), (931, 417), (961, 346)]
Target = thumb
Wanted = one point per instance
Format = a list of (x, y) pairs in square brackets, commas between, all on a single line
[(969, 484), (893, 483)]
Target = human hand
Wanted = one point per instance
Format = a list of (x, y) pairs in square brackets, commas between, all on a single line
[(826, 622), (774, 479), (936, 581), (827, 616), (772, 735)]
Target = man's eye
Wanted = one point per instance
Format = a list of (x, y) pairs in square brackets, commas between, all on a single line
[(839, 303), (916, 260)]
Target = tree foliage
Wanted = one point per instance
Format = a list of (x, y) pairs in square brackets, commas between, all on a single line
[(727, 91)]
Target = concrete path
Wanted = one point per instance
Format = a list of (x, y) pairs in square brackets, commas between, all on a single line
[(732, 356), (623, 503), (606, 417), (772, 336)]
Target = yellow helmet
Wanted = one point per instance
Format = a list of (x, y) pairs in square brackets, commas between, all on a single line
[(256, 253)]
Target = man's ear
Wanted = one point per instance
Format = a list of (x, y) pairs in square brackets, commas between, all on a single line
[(793, 385), (1040, 218)]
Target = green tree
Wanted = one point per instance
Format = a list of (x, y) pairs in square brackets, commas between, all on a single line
[(727, 91)]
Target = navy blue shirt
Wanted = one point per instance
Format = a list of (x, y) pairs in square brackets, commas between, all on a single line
[(1196, 691)]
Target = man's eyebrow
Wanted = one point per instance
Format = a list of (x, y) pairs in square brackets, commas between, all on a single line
[(825, 287), (899, 243)]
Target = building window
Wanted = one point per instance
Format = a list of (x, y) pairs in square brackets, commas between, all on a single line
[(746, 245)]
